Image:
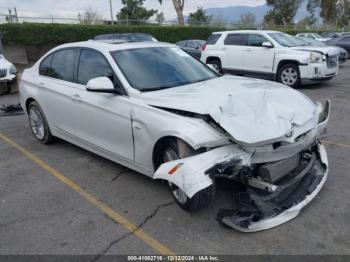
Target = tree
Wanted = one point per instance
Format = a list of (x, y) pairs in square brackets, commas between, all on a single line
[(134, 12), (344, 19), (247, 20), (282, 11), (89, 17), (333, 12), (179, 8), (199, 17), (160, 18)]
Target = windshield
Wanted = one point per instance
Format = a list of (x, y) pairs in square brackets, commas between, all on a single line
[(156, 68), (285, 40)]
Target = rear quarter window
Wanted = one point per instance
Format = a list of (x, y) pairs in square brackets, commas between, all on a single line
[(213, 39)]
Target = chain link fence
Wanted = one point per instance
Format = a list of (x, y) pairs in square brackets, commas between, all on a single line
[(6, 18)]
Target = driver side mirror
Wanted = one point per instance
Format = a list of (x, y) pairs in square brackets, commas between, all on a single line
[(267, 45), (102, 85)]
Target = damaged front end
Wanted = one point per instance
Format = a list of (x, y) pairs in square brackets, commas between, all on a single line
[(279, 178), (276, 192)]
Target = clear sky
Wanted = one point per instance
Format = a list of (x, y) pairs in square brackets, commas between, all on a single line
[(70, 8)]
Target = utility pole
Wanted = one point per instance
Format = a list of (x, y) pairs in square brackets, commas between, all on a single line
[(10, 16), (16, 15), (110, 7)]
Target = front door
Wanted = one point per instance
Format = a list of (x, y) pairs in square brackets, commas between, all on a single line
[(102, 120), (256, 57)]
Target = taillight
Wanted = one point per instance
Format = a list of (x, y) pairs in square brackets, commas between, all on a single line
[(204, 47)]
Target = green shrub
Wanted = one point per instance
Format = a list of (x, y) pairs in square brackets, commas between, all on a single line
[(38, 34), (43, 34)]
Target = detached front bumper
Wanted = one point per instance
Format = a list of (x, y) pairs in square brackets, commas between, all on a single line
[(316, 72), (259, 210)]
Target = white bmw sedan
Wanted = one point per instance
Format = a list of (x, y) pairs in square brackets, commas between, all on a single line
[(155, 109)]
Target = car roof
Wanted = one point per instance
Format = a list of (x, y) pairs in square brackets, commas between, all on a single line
[(109, 47), (247, 31)]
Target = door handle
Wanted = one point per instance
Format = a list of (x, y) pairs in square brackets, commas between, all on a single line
[(41, 85), (248, 50), (76, 98)]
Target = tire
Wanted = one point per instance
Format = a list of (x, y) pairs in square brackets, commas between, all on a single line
[(289, 75), (38, 124), (169, 152), (217, 64)]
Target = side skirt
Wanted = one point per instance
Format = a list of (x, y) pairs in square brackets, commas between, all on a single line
[(100, 151), (267, 76)]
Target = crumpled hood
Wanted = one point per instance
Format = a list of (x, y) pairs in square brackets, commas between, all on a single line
[(250, 110), (326, 50)]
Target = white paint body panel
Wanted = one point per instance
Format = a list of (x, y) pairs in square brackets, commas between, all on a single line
[(125, 129), (266, 60), (6, 65)]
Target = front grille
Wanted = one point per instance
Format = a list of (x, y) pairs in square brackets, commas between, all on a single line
[(332, 61), (3, 72)]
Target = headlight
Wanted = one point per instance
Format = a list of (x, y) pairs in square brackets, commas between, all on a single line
[(316, 57), (13, 70)]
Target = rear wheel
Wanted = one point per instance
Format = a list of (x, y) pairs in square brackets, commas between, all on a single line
[(216, 63), (177, 149), (38, 124), (289, 75)]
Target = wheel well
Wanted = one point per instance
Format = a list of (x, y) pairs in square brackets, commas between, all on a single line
[(285, 62), (29, 100), (212, 58), (156, 150)]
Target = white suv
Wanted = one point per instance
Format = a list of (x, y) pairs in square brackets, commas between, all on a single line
[(270, 55), (8, 74)]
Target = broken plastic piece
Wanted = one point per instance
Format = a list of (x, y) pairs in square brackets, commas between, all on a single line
[(11, 110)]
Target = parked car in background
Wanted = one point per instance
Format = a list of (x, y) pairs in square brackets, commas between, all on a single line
[(8, 74), (342, 41), (270, 55), (314, 36), (330, 34), (126, 37), (342, 53), (192, 47), (154, 108)]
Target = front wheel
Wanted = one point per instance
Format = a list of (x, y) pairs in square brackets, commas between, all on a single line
[(289, 75), (177, 149)]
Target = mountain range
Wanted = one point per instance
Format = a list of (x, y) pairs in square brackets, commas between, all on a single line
[(231, 14)]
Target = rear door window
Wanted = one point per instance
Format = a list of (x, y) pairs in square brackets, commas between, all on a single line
[(45, 66), (236, 39), (63, 63), (213, 39)]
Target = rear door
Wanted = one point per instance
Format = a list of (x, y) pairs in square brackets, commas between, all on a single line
[(56, 84), (256, 57), (234, 47)]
